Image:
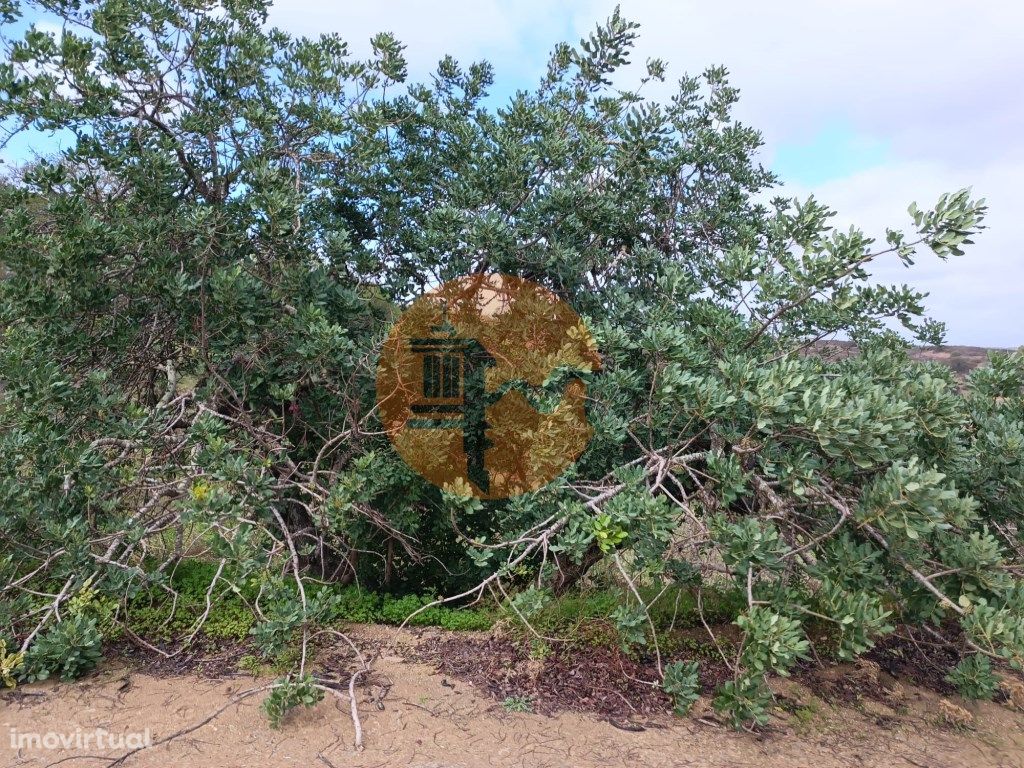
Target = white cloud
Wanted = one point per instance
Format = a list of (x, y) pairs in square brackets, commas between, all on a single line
[(979, 295), (936, 78)]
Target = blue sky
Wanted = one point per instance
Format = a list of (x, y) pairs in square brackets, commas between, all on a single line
[(834, 150), (868, 105)]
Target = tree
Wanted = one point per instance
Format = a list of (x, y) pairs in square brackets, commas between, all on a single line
[(199, 286)]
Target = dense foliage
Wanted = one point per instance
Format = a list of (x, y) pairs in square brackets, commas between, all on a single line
[(194, 293)]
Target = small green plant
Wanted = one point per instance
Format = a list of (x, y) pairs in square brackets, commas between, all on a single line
[(774, 642), (745, 701), (287, 658), (356, 605), (631, 624), (288, 694), (251, 664), (151, 615), (973, 678), (10, 663), (681, 683), (694, 646), (529, 602), (805, 715), (161, 621), (607, 533), (568, 611), (539, 649), (518, 704), (395, 610), (82, 600), (229, 620), (68, 649), (91, 604), (284, 616)]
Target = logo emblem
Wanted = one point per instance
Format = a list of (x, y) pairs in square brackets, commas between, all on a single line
[(480, 386)]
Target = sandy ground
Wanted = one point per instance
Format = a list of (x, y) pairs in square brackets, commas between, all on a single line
[(427, 721)]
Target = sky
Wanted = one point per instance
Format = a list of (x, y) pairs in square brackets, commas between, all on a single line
[(867, 105)]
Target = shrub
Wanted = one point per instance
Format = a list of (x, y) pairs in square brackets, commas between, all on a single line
[(973, 678), (69, 649), (289, 693), (681, 683), (745, 700), (195, 292)]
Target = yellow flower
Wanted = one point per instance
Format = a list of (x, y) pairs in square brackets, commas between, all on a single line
[(201, 490)]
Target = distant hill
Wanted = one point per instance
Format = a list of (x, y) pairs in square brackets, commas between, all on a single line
[(961, 359)]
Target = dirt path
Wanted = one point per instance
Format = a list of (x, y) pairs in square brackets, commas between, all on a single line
[(428, 721)]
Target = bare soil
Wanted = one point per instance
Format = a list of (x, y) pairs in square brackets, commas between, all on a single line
[(415, 715)]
